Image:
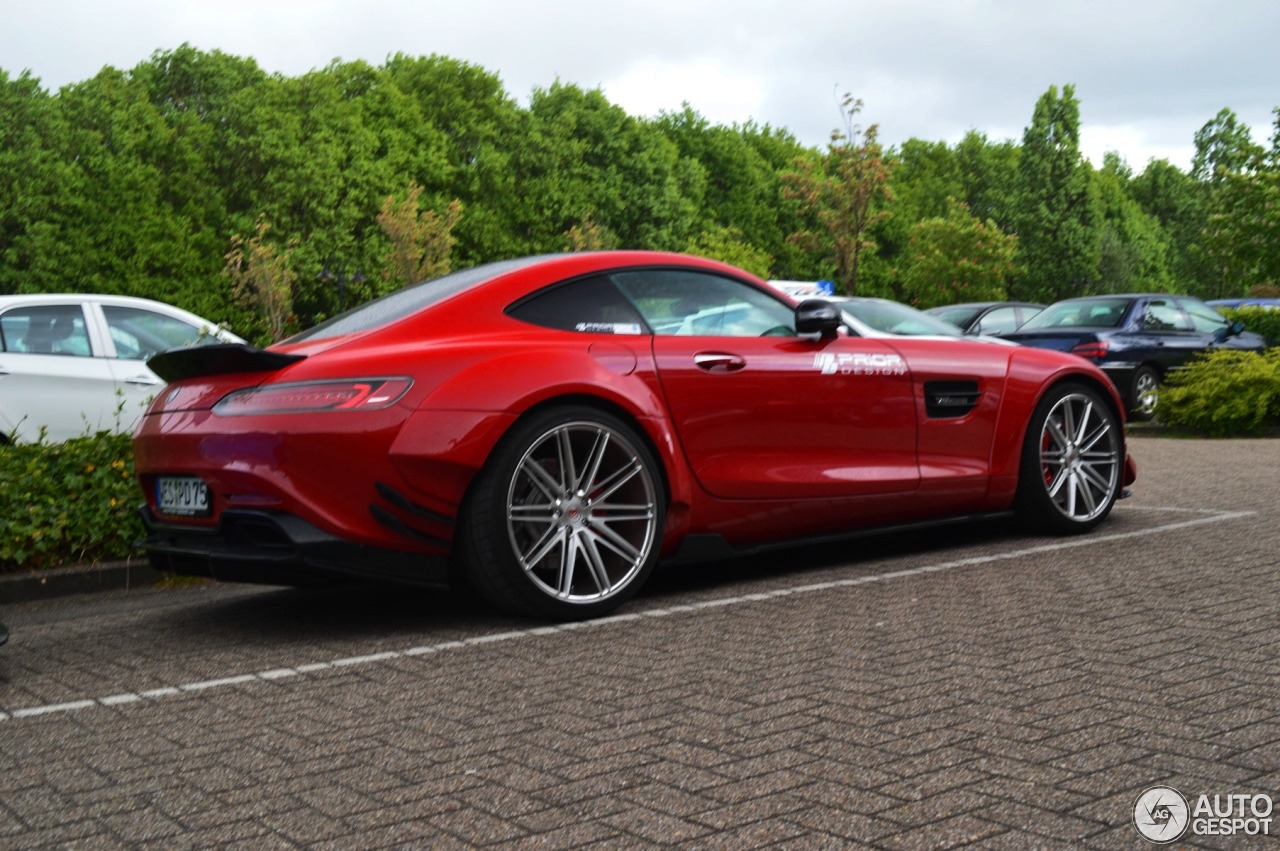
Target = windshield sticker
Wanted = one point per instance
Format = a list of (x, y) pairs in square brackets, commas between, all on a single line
[(858, 363), (607, 327)]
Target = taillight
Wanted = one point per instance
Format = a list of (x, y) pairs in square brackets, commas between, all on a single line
[(1096, 349), (305, 397)]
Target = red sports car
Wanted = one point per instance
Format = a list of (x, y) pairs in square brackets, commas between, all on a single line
[(547, 429)]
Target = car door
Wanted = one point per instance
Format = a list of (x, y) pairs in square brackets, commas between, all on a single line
[(134, 334), (763, 413), (52, 383), (1169, 332)]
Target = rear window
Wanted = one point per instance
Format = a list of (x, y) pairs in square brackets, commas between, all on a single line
[(401, 303), (1083, 313)]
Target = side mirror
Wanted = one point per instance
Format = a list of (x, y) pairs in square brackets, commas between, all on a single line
[(818, 316), (1235, 329)]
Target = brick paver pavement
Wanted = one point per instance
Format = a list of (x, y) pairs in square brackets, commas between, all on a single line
[(964, 687)]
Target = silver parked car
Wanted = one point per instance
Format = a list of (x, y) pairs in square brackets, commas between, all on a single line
[(75, 364)]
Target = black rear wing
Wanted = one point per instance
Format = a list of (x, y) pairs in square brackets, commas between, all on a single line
[(217, 359)]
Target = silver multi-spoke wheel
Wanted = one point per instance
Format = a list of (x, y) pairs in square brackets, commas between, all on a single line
[(582, 512), (1146, 393), (1080, 457), (1073, 460)]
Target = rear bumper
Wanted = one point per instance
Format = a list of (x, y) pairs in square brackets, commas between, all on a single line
[(276, 548)]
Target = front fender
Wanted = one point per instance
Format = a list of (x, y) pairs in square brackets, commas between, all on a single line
[(1031, 373)]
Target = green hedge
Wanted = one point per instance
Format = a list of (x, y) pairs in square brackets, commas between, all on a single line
[(68, 503), (1259, 320), (1224, 393)]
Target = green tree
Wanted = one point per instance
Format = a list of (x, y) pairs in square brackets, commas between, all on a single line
[(957, 258), (1057, 216), (479, 126), (846, 192), (1133, 248), (33, 178), (1243, 225), (1178, 203), (262, 281), (727, 245), (421, 240)]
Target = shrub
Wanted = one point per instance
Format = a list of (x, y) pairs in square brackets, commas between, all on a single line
[(67, 503), (1259, 320), (1224, 393)]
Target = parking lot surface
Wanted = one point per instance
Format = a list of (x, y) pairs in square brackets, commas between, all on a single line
[(960, 687)]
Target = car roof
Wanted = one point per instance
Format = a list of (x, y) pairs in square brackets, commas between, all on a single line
[(76, 298)]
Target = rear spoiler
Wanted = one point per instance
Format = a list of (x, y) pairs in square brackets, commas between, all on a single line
[(217, 359)]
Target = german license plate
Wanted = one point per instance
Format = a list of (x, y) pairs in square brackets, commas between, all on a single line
[(182, 496)]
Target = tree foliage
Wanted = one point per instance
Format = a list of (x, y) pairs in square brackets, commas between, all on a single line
[(134, 181), (261, 280), (1057, 216), (421, 240), (957, 258), (846, 190)]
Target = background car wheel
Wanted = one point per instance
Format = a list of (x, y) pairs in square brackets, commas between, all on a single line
[(566, 519), (1072, 462), (1144, 393)]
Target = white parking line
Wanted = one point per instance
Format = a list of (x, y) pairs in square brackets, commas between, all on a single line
[(274, 674)]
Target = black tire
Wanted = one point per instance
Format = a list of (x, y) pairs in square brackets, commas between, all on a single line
[(1144, 393), (565, 519), (1072, 465)]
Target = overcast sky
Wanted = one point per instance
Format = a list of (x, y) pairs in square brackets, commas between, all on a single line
[(1148, 73)]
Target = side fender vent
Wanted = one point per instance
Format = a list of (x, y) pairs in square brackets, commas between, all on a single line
[(950, 399)]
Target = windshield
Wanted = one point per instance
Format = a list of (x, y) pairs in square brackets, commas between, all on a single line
[(890, 317), (1081, 312), (959, 316)]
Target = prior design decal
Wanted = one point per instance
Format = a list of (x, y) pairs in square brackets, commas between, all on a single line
[(607, 328), (858, 363)]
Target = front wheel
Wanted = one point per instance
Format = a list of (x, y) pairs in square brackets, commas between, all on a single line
[(566, 518), (1072, 461)]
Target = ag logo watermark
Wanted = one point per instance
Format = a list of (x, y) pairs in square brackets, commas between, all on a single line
[(1162, 815)]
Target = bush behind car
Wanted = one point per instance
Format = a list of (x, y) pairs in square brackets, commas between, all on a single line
[(1225, 393), (67, 503), (1260, 320)]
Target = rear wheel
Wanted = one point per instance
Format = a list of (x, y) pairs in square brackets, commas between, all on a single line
[(566, 518), (1072, 461), (1144, 393)]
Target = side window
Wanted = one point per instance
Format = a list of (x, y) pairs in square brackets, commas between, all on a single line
[(684, 303), (1204, 318), (588, 305), (53, 329), (1164, 315), (1002, 320), (139, 334)]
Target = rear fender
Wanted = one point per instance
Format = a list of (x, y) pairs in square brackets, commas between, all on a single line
[(448, 439)]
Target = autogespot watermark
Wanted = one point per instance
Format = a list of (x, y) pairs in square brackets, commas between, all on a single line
[(1162, 815)]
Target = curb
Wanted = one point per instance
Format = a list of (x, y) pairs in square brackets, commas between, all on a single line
[(28, 585)]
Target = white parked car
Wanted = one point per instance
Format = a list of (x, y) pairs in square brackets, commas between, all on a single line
[(76, 364)]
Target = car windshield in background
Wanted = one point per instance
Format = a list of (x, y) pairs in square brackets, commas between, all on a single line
[(960, 316), (1080, 313), (411, 299)]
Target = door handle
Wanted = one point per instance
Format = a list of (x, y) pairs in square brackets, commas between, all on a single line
[(144, 380), (718, 362)]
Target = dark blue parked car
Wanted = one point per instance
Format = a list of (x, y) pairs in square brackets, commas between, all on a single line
[(1135, 339)]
